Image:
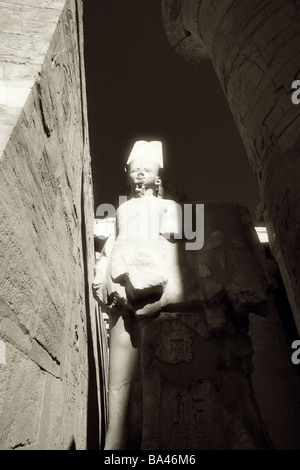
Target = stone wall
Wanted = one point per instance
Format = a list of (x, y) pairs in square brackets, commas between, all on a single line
[(50, 379)]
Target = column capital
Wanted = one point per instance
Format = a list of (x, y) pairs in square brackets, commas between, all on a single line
[(180, 20)]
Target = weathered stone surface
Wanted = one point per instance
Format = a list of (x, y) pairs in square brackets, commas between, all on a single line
[(193, 378), (47, 313), (179, 323), (177, 279), (50, 432), (254, 50), (197, 393), (275, 379), (27, 28), (22, 384)]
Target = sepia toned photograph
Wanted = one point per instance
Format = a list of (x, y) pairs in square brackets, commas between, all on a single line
[(150, 227)]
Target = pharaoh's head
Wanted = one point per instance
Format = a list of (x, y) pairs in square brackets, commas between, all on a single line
[(143, 168)]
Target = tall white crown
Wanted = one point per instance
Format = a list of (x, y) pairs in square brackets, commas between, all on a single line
[(148, 151)]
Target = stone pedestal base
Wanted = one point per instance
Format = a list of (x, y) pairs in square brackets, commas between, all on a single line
[(197, 392)]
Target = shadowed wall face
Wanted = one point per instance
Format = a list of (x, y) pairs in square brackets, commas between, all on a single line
[(254, 49), (47, 315)]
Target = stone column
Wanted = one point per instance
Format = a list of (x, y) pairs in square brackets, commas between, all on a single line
[(253, 45)]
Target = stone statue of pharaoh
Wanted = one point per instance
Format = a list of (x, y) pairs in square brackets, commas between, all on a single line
[(179, 353), (131, 275)]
